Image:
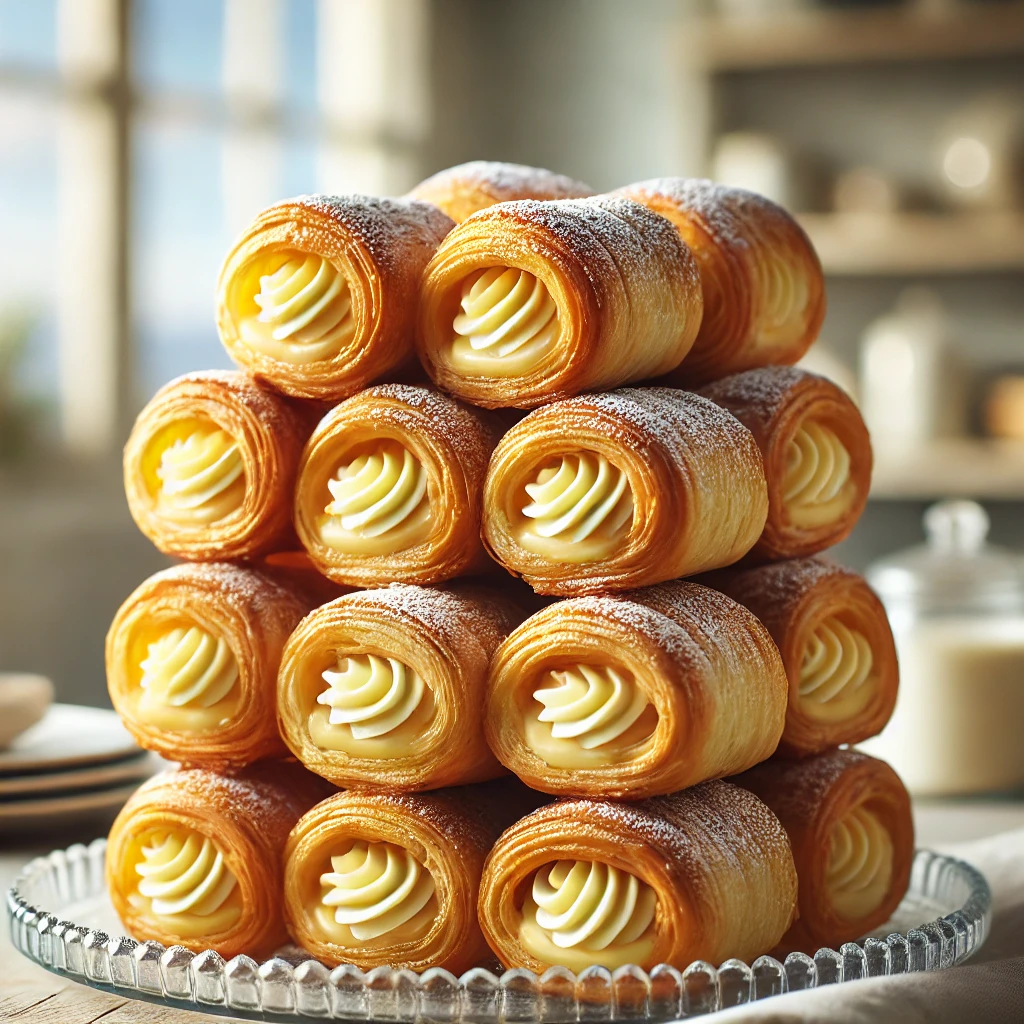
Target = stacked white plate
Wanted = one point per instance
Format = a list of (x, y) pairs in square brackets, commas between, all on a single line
[(76, 764)]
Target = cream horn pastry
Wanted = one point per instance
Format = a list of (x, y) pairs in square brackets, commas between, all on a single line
[(318, 297), (196, 859), (817, 456), (463, 190), (848, 819), (192, 659), (703, 874), (530, 301), (635, 695), (624, 489), (210, 467), (390, 487), (384, 878), (386, 687), (764, 292), (836, 644)]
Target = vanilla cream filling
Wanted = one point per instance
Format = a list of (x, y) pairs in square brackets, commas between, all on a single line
[(187, 679), (373, 706), (375, 893), (508, 323), (860, 859), (588, 715), (816, 486), (379, 502), (580, 508), (836, 680), (582, 912), (184, 884), (784, 297), (202, 478), (305, 310)]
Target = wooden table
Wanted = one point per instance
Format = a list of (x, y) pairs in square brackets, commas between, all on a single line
[(28, 994)]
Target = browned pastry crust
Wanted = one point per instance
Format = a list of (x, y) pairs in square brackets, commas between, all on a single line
[(707, 666), (779, 405), (625, 287), (820, 615), (449, 832), (695, 473), (295, 570), (451, 444), (379, 246), (764, 292), (466, 188), (444, 636), (719, 863), (250, 612), (810, 797), (248, 816), (269, 432)]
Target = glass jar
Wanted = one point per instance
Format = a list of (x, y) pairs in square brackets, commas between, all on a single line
[(956, 605)]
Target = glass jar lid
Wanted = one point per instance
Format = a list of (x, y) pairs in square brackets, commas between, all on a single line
[(955, 572)]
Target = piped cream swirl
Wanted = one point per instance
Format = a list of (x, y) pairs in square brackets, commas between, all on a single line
[(187, 667), (816, 487), (379, 502), (373, 706), (305, 310), (375, 891), (185, 882), (580, 507), (585, 912), (784, 297), (202, 478), (588, 715), (835, 671), (859, 863), (508, 323)]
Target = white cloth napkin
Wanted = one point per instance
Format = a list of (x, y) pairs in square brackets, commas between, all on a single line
[(988, 989)]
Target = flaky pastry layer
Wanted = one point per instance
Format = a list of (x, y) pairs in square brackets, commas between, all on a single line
[(707, 667), (764, 291), (625, 289), (810, 506), (811, 798), (375, 251), (717, 859), (694, 474)]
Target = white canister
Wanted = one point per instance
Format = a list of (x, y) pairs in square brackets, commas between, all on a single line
[(956, 606)]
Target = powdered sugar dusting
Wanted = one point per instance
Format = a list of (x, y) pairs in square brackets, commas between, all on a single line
[(757, 396), (505, 181)]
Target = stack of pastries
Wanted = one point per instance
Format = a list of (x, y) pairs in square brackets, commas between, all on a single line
[(498, 557)]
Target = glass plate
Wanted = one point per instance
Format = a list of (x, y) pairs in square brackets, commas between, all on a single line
[(61, 918)]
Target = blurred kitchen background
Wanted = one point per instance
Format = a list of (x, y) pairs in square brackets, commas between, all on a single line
[(137, 137)]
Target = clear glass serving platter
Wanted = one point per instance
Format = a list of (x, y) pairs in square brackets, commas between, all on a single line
[(61, 918)]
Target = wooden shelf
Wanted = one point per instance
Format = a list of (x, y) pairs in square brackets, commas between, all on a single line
[(822, 37), (961, 468), (917, 243)]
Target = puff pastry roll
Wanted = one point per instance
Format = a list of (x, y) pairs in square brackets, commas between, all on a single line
[(817, 456), (848, 819), (318, 297), (390, 487), (836, 644), (702, 874), (387, 687), (196, 859), (530, 301), (463, 190), (210, 467), (384, 878), (620, 490), (764, 292), (192, 660), (637, 695)]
